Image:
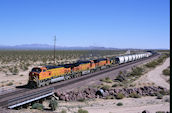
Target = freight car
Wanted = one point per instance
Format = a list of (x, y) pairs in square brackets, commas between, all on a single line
[(44, 75)]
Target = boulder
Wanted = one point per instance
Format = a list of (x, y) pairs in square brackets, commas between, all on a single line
[(100, 92), (145, 111)]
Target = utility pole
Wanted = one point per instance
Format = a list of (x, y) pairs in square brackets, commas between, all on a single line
[(54, 50)]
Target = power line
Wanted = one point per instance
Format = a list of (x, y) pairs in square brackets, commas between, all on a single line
[(54, 50)]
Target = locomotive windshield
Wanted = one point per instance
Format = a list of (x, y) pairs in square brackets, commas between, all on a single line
[(38, 70)]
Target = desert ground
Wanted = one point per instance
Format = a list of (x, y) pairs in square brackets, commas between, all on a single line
[(130, 105)]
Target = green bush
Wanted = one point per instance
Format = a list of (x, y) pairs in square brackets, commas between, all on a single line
[(158, 61), (105, 87), (134, 95), (166, 71), (115, 85), (110, 97), (53, 105), (107, 80), (119, 96), (119, 104), (37, 106), (63, 111), (120, 78), (159, 96), (162, 92), (151, 64), (15, 71), (160, 112), (137, 71), (82, 100), (82, 111), (10, 84)]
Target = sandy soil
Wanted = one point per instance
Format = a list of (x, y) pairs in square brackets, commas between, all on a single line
[(130, 105), (15, 79), (155, 76)]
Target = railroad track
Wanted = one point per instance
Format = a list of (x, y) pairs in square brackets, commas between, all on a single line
[(22, 94)]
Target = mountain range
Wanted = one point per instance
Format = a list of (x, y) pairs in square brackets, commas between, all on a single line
[(51, 47)]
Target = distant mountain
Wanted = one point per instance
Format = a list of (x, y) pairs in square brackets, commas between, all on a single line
[(51, 47)]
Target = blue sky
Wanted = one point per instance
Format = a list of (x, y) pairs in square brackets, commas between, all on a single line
[(108, 23)]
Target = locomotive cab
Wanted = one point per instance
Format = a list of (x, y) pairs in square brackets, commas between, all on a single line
[(36, 74)]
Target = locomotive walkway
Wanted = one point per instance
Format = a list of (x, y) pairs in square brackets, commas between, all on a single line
[(24, 95)]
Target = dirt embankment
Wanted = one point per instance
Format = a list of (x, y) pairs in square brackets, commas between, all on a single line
[(155, 76)]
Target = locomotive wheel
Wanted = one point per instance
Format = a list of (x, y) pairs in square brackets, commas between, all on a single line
[(92, 71), (66, 77), (43, 84), (47, 83), (80, 74), (39, 85)]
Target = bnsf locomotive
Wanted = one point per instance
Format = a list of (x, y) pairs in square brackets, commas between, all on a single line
[(44, 75)]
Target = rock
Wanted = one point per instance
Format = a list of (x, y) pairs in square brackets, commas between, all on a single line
[(105, 94), (62, 97), (57, 94), (100, 92), (111, 92), (79, 96), (145, 111), (87, 91)]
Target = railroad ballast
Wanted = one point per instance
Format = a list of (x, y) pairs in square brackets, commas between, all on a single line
[(45, 75)]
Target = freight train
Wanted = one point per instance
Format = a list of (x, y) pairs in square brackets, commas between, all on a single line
[(45, 75)]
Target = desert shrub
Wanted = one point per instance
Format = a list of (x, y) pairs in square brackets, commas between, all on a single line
[(10, 84), (120, 78), (107, 80), (134, 95), (110, 97), (63, 111), (119, 104), (168, 80), (119, 96), (159, 96), (166, 71), (114, 85), (82, 100), (37, 106), (24, 67), (53, 105), (105, 87), (167, 100), (162, 92), (160, 112), (82, 111), (151, 64), (137, 71), (158, 61), (14, 70), (132, 85)]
